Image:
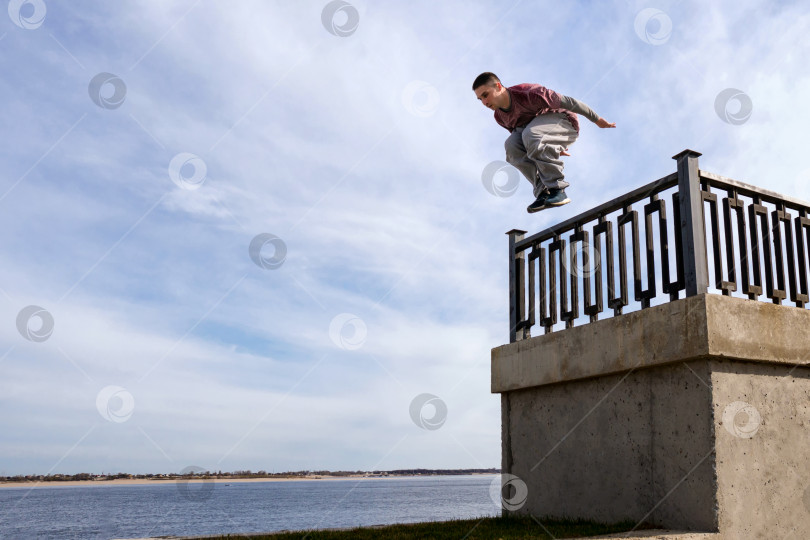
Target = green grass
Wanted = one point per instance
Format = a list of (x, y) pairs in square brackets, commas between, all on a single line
[(486, 528)]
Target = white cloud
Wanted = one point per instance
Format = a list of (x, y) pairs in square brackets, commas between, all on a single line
[(305, 136)]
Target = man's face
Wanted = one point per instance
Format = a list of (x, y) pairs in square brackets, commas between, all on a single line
[(491, 95)]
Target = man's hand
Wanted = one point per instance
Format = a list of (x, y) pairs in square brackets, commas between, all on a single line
[(602, 123)]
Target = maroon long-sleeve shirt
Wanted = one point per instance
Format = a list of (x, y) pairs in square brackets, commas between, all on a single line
[(529, 100)]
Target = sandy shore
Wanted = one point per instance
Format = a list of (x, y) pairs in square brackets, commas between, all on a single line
[(171, 481), (167, 481)]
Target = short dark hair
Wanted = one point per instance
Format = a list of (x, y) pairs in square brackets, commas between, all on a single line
[(485, 78)]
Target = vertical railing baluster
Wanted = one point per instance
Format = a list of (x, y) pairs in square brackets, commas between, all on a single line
[(730, 203), (754, 210), (714, 223), (801, 224), (652, 289), (679, 284), (517, 289), (757, 209), (547, 305), (595, 266), (663, 240), (782, 249), (579, 237), (631, 216), (749, 287), (618, 302), (533, 254), (558, 247), (695, 263)]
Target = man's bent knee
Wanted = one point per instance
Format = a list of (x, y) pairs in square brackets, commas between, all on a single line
[(515, 140), (513, 158)]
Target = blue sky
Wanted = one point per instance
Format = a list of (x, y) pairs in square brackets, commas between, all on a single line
[(363, 154)]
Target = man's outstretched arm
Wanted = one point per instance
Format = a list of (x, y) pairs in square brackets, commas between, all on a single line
[(574, 105)]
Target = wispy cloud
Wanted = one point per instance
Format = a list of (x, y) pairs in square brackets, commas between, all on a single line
[(364, 155)]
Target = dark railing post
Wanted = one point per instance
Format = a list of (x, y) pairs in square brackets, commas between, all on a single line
[(517, 288), (693, 229)]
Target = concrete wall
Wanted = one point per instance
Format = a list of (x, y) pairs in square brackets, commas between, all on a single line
[(692, 415), (617, 447), (763, 458)]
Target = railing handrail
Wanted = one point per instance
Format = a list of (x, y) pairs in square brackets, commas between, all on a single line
[(748, 190)]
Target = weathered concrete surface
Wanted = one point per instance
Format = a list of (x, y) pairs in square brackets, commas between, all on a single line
[(757, 331), (691, 328), (637, 446), (763, 454), (624, 418)]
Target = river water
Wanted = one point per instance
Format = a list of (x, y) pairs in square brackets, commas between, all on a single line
[(135, 511)]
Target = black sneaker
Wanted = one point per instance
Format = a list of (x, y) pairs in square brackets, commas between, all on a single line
[(556, 197), (538, 204)]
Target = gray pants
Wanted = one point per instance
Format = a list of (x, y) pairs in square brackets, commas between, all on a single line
[(535, 149)]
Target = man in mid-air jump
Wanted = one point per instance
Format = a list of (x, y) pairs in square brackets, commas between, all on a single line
[(542, 125)]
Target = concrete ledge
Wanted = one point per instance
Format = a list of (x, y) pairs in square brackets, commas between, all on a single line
[(757, 331), (698, 327)]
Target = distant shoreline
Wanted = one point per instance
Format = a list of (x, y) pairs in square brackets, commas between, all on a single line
[(167, 481)]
